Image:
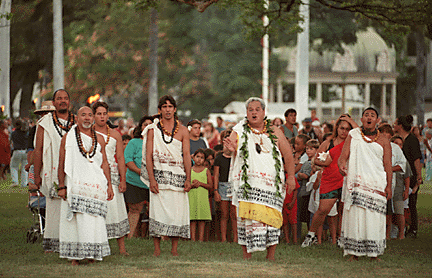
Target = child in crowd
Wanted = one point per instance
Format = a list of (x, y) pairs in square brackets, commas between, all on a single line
[(196, 142), (199, 205), (289, 214), (210, 154), (302, 176), (125, 139), (223, 190), (300, 157)]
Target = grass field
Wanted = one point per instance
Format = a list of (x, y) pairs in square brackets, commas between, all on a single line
[(405, 258)]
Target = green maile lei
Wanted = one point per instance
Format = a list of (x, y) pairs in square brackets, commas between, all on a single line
[(244, 153)]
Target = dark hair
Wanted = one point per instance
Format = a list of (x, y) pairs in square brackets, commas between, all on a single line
[(313, 143), (166, 98), (126, 137), (429, 120), (58, 90), (225, 133), (289, 111), (200, 150), (304, 137), (370, 108), (338, 123), (327, 135), (386, 128), (329, 125), (18, 124), (396, 137), (218, 148), (98, 104), (219, 118), (406, 122), (138, 129), (209, 152), (193, 122)]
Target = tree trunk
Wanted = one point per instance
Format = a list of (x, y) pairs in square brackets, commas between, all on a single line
[(421, 64), (153, 61)]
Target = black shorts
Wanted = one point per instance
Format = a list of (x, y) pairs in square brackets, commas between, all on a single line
[(135, 194)]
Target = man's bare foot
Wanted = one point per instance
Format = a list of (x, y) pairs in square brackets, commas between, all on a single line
[(270, 258), (375, 259), (124, 253), (48, 252), (353, 258), (175, 253), (75, 262), (157, 253), (91, 261)]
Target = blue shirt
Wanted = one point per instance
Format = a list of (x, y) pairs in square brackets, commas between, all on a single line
[(133, 153)]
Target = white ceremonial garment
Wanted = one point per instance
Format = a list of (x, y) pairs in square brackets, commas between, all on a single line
[(364, 216), (315, 197), (49, 172), (83, 233), (259, 215), (169, 213), (117, 222)]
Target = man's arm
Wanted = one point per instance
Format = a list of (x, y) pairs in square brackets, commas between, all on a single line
[(217, 196), (417, 166), (149, 162), (186, 157), (38, 155), (120, 160), (61, 174), (387, 166), (288, 158), (343, 159), (105, 167)]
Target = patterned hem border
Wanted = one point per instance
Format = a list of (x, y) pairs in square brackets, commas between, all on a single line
[(260, 196), (88, 205), (368, 202), (157, 229), (87, 250), (50, 245), (258, 242), (117, 230), (362, 247)]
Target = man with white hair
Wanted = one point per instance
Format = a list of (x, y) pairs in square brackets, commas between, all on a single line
[(258, 180), (85, 186)]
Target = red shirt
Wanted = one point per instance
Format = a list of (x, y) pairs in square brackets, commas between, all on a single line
[(331, 177)]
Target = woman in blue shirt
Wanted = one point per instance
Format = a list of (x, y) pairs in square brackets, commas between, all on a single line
[(137, 193)]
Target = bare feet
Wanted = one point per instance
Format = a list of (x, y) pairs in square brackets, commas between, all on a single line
[(375, 259), (47, 252), (91, 261), (157, 253), (75, 262), (246, 255), (353, 258), (124, 253)]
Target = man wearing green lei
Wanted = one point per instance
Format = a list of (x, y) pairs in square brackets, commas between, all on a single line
[(261, 156)]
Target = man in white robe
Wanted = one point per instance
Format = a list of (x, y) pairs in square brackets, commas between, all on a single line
[(366, 163), (166, 167), (85, 187), (50, 130), (117, 218), (258, 181)]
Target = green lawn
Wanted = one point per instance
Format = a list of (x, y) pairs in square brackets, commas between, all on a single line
[(406, 258)]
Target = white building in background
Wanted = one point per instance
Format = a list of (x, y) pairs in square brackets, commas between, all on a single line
[(368, 62)]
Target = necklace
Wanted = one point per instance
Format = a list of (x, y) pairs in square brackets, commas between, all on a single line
[(370, 141), (369, 133), (244, 153), (108, 135), (254, 131), (171, 134), (87, 154), (58, 124)]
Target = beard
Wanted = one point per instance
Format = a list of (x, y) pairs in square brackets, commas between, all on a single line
[(86, 126), (62, 111)]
